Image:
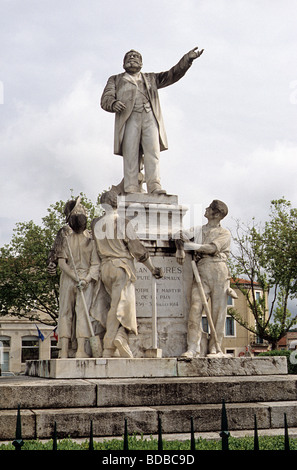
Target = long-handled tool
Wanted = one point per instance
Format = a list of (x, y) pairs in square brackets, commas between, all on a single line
[(154, 351), (95, 342), (205, 305), (154, 314)]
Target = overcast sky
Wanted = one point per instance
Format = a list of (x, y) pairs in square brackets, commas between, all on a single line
[(230, 122)]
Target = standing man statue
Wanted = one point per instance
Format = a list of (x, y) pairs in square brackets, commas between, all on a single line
[(118, 247), (211, 246), (139, 130), (79, 264)]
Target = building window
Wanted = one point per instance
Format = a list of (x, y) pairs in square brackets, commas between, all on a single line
[(54, 349), (230, 352), (4, 353), (259, 340), (229, 326), (258, 296), (30, 348), (230, 301)]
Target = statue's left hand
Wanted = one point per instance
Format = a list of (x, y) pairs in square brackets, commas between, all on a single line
[(195, 53)]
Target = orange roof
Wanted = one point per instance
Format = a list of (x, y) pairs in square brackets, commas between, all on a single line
[(243, 281)]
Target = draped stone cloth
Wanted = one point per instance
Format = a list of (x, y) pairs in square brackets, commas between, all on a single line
[(118, 246)]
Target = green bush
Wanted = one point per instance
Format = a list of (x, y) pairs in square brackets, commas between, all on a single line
[(292, 368)]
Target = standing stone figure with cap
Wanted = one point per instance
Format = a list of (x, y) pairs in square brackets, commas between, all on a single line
[(210, 245), (139, 133), (78, 261)]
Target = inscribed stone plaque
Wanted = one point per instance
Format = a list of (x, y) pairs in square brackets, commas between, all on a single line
[(169, 289)]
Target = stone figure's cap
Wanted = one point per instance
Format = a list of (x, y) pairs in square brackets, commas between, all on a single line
[(74, 207)]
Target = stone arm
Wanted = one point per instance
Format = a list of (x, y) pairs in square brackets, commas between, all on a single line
[(52, 260), (170, 77), (64, 266), (108, 98), (184, 241), (139, 251)]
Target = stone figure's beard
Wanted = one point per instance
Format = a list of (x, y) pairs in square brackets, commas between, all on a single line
[(132, 66)]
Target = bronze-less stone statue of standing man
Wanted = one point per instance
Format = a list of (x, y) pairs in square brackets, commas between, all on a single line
[(139, 130)]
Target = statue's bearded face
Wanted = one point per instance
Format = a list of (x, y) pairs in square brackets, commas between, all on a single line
[(132, 62)]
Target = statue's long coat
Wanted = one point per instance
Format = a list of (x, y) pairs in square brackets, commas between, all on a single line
[(123, 88)]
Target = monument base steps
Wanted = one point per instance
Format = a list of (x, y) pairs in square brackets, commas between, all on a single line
[(73, 403)]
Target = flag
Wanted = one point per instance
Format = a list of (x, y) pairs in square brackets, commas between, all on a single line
[(40, 335), (55, 334)]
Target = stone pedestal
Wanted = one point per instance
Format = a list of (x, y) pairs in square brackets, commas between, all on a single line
[(156, 219), (153, 217), (156, 367)]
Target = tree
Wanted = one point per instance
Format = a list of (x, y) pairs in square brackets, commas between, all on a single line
[(267, 258), (26, 288)]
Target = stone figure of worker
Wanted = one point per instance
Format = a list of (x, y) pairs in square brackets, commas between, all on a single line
[(210, 245), (139, 133), (118, 246), (78, 261)]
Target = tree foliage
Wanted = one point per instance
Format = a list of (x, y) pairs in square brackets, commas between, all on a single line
[(267, 257), (26, 288)]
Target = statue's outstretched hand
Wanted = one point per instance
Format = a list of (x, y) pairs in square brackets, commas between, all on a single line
[(195, 53)]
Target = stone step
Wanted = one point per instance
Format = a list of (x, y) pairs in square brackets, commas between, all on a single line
[(38, 393), (75, 422), (193, 390)]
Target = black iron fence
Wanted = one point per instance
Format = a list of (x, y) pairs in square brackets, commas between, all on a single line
[(224, 434)]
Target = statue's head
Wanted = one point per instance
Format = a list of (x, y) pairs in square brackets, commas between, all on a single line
[(132, 61), (219, 208), (109, 199), (76, 215)]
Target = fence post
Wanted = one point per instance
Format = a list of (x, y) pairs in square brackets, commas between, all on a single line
[(18, 442), (256, 439), (91, 442), (126, 444), (224, 428), (55, 442), (160, 440), (193, 446), (287, 443)]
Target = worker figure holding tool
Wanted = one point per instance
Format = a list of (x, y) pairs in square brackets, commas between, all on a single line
[(79, 264), (118, 247), (210, 247)]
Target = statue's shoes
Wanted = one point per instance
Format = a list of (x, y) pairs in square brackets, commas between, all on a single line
[(189, 354), (123, 347), (218, 354), (158, 191)]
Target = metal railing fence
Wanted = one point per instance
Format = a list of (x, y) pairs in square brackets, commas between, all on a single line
[(18, 442)]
